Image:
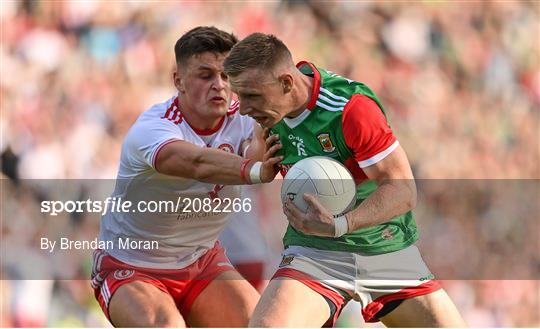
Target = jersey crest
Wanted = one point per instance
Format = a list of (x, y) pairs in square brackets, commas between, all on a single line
[(326, 142)]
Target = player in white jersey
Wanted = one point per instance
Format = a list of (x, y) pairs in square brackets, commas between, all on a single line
[(175, 151)]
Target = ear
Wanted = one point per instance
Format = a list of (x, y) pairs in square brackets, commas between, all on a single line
[(178, 81), (286, 81)]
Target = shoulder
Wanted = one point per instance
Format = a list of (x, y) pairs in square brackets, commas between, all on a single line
[(162, 112)]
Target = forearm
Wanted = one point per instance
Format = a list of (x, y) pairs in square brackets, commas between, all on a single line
[(206, 165), (218, 167), (390, 199)]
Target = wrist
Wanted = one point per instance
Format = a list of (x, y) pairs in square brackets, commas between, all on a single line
[(244, 170), (250, 171), (255, 173), (341, 226)]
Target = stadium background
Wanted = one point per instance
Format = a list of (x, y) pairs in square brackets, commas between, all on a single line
[(460, 80)]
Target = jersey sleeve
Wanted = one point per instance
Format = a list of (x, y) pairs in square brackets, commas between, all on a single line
[(147, 137), (366, 131)]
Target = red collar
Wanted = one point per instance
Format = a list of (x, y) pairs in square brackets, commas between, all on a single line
[(208, 132), (316, 83), (203, 132)]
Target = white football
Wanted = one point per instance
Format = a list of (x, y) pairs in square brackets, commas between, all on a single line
[(325, 178)]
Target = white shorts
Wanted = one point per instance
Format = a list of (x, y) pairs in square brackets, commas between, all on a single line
[(379, 283)]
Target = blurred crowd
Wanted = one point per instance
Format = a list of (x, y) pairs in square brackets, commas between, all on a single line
[(460, 82)]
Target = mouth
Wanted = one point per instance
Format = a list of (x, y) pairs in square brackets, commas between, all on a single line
[(218, 100)]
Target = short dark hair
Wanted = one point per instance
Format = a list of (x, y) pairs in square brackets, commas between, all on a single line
[(202, 39), (258, 50)]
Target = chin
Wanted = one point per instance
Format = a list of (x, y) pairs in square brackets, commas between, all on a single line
[(218, 110)]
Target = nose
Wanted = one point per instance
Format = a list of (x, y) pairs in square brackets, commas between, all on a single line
[(220, 83)]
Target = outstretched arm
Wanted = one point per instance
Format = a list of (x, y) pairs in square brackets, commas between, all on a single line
[(209, 165)]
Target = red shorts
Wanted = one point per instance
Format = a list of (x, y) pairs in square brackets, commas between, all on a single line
[(184, 285)]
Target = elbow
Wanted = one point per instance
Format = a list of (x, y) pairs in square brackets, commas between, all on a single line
[(412, 197)]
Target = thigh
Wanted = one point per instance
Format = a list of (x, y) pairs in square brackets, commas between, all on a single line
[(398, 289), (141, 304), (431, 310), (290, 303), (227, 301)]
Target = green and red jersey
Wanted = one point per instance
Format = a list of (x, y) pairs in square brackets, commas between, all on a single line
[(344, 120)]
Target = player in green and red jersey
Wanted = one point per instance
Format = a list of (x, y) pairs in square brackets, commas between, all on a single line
[(368, 254)]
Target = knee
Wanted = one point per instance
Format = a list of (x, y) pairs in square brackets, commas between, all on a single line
[(165, 322)]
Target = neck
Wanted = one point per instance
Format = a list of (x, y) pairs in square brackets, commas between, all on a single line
[(302, 94), (198, 122)]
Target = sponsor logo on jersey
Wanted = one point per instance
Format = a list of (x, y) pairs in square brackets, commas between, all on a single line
[(286, 260), (326, 142), (123, 274), (299, 143), (226, 147)]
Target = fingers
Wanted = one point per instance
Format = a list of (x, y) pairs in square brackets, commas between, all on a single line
[(313, 203), (270, 168), (271, 151), (295, 222), (293, 209), (310, 199), (271, 140), (274, 161)]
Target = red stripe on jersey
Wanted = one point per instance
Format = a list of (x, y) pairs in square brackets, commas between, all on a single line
[(316, 84), (177, 116), (160, 147), (235, 106), (365, 128), (170, 109), (173, 113)]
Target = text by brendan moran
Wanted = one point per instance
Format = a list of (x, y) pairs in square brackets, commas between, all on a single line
[(121, 243)]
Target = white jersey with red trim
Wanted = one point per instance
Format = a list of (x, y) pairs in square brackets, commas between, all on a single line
[(161, 203)]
